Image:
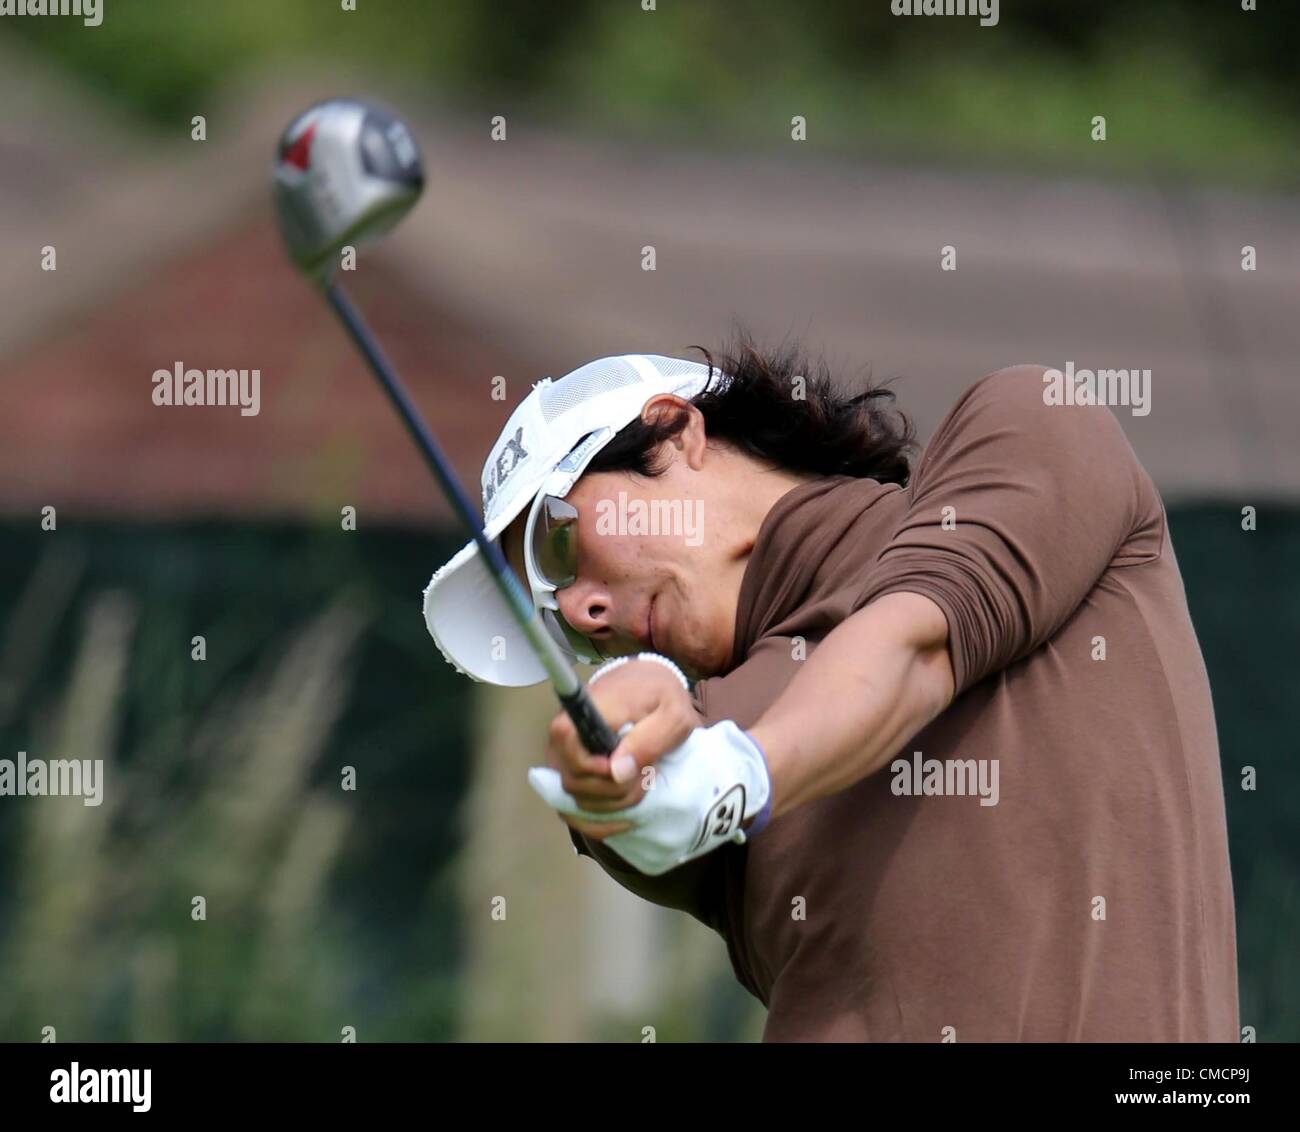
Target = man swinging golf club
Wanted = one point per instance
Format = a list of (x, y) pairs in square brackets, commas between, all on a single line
[(932, 749), (947, 769)]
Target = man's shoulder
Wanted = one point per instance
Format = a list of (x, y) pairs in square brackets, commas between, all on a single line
[(1012, 387), (1018, 409), (1022, 373)]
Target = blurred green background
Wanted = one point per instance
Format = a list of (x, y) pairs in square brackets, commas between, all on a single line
[(325, 914), (1202, 89)]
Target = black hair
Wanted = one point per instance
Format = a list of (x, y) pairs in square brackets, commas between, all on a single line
[(784, 409)]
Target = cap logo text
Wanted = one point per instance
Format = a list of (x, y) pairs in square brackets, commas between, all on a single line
[(506, 463)]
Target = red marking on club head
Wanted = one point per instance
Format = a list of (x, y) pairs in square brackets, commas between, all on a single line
[(298, 152)]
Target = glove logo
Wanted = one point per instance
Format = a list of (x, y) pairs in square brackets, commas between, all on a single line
[(724, 817)]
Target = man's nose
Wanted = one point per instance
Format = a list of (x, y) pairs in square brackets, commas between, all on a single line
[(584, 606)]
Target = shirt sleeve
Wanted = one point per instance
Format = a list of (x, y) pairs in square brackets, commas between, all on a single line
[(1016, 510)]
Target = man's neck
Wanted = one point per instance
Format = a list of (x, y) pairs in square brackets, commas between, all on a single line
[(756, 488)]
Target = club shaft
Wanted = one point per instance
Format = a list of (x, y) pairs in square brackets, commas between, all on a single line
[(595, 733)]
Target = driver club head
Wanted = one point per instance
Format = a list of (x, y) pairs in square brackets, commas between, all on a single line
[(346, 171)]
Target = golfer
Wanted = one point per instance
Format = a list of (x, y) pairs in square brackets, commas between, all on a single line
[(929, 744)]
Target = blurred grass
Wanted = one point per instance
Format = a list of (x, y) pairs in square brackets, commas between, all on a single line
[(89, 877), (325, 908)]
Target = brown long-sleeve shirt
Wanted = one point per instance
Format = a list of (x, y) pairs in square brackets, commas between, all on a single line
[(1092, 901)]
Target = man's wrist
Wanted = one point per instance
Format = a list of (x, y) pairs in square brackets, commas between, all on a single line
[(766, 740)]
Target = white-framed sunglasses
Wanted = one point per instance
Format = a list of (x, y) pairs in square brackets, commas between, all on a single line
[(551, 559), (551, 545)]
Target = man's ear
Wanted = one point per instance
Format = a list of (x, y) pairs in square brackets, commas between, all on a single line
[(690, 439)]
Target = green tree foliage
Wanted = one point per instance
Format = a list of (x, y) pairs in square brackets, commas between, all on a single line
[(1204, 88)]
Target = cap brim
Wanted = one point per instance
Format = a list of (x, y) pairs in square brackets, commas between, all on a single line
[(474, 628)]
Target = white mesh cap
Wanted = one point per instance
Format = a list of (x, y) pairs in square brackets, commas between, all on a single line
[(468, 618)]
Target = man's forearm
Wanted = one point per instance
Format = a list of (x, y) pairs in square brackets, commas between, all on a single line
[(872, 684)]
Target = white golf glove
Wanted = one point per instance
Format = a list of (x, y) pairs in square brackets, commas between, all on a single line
[(700, 794)]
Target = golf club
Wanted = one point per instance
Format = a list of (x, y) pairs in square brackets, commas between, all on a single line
[(347, 171)]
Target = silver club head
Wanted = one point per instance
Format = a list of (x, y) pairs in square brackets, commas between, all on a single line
[(346, 171)]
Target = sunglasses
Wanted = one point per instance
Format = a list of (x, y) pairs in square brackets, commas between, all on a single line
[(552, 535), (551, 558)]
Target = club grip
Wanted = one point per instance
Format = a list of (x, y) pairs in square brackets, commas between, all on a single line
[(594, 732)]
